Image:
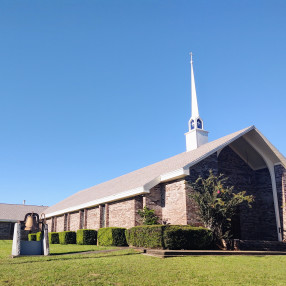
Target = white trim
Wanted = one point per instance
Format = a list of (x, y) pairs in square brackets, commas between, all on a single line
[(273, 149), (179, 173), (122, 195), (151, 184), (176, 174), (218, 148), (218, 152)]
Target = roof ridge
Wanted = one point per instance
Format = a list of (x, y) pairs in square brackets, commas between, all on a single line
[(23, 205)]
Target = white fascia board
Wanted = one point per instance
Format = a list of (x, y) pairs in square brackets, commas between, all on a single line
[(108, 199), (273, 149), (152, 184), (176, 174), (220, 147), (179, 173)]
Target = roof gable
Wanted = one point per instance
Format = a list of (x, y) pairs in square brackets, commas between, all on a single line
[(142, 180)]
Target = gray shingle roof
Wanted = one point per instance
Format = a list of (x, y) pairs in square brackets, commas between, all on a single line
[(144, 176), (13, 213)]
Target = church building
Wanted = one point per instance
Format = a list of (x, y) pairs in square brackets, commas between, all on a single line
[(246, 157)]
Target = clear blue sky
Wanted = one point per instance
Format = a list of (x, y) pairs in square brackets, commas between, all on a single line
[(90, 90)]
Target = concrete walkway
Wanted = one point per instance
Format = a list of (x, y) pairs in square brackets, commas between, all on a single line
[(92, 251), (176, 253)]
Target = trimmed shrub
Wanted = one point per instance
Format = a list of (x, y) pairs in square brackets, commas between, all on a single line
[(187, 237), (150, 236), (86, 236), (54, 238), (169, 236), (67, 237), (111, 236), (39, 235), (32, 237)]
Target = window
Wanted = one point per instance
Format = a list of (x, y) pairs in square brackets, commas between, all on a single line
[(192, 124)]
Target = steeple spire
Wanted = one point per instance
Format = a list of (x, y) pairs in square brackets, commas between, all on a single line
[(195, 108), (196, 136)]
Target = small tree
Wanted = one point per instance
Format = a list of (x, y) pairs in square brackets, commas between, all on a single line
[(217, 204), (148, 216)]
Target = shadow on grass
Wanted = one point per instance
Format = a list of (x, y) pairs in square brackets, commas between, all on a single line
[(73, 258), (85, 251)]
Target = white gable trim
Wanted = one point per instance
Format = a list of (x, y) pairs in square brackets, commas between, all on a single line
[(270, 166), (219, 148)]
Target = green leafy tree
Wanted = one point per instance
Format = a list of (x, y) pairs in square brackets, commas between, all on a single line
[(217, 204), (148, 216)]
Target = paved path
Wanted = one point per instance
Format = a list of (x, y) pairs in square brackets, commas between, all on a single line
[(92, 251)]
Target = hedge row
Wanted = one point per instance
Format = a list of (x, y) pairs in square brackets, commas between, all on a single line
[(149, 236), (86, 236), (35, 236), (111, 236), (169, 236)]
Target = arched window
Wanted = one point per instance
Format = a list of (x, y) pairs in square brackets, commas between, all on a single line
[(192, 124), (199, 124)]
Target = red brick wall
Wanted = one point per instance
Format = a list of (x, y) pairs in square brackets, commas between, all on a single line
[(153, 201), (192, 208), (138, 206), (6, 230), (49, 223), (122, 213), (175, 210), (74, 221), (92, 218), (60, 223)]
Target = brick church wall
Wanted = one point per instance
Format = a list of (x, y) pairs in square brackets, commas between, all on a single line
[(49, 223), (259, 221), (60, 223), (173, 202), (169, 202), (92, 218), (280, 177), (200, 169), (122, 213), (74, 221), (6, 230), (138, 206), (153, 201)]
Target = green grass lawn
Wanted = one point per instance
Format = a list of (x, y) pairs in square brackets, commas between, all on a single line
[(128, 267)]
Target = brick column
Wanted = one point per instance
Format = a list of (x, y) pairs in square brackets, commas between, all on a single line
[(106, 215), (101, 216), (69, 222), (85, 219)]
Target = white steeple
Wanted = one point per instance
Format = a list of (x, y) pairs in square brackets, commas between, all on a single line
[(195, 108), (196, 136)]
